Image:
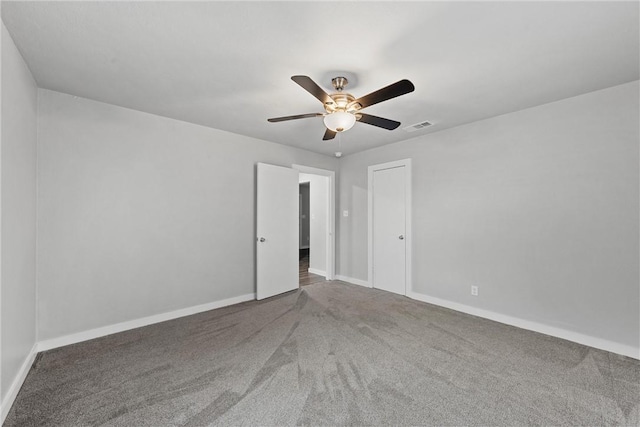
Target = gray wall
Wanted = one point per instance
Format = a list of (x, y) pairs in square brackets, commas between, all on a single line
[(140, 214), (18, 189), (539, 208)]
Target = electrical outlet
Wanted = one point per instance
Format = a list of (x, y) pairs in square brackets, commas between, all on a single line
[(474, 291)]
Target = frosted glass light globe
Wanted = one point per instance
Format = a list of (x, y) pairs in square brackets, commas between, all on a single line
[(339, 121)]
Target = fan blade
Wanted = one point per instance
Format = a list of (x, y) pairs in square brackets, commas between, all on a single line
[(381, 122), (329, 134), (299, 116), (393, 90), (311, 87)]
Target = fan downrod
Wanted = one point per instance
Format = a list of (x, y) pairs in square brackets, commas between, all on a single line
[(339, 83)]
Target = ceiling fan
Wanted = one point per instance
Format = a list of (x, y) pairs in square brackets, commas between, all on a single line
[(343, 109)]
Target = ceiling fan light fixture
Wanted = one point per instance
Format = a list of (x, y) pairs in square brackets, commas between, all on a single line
[(343, 109), (339, 121)]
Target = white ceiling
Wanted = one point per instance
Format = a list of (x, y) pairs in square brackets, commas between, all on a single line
[(228, 65)]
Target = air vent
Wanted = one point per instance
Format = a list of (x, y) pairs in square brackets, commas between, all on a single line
[(418, 126)]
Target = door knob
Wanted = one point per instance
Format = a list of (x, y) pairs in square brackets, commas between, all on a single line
[(262, 239), (401, 237)]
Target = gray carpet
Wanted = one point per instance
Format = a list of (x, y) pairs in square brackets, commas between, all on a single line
[(329, 354)]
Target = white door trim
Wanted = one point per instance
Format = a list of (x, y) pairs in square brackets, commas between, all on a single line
[(408, 237), (331, 215)]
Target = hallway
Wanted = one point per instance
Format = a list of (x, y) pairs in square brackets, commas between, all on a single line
[(306, 278)]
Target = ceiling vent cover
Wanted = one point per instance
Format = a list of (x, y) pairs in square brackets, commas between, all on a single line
[(418, 126)]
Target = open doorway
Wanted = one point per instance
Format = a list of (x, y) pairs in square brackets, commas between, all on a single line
[(313, 230), (304, 276), (277, 222), (316, 224)]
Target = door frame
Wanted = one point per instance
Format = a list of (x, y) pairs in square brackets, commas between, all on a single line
[(408, 231), (331, 214)]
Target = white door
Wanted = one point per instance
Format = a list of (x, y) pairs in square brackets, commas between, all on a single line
[(389, 229), (277, 227)]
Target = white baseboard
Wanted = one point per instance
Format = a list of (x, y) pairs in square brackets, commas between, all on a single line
[(12, 393), (103, 331), (318, 272), (353, 281), (137, 323), (599, 343)]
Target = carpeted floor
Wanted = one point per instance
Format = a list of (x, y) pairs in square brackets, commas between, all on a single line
[(329, 354)]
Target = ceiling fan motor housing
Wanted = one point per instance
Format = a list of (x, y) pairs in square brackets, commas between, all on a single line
[(341, 101)]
